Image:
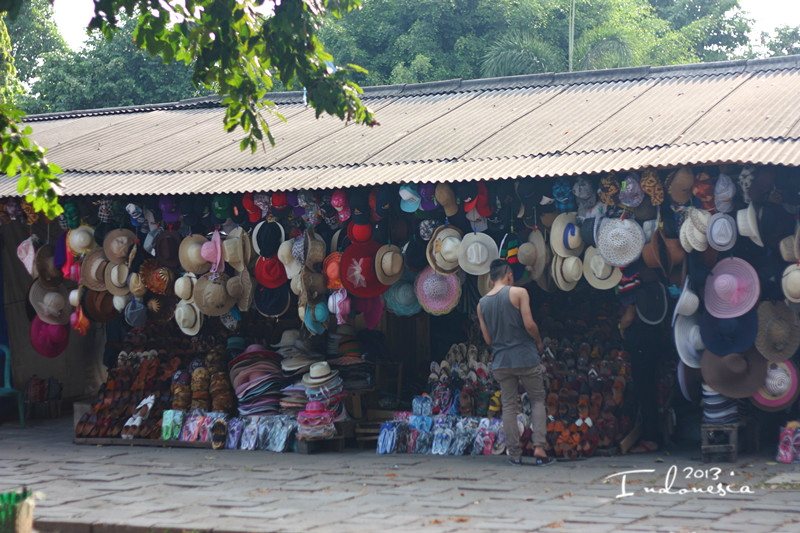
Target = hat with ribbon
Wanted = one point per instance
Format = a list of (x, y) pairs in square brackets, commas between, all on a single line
[(117, 245), (184, 287), (565, 237), (389, 264), (444, 248), (319, 374), (188, 318), (51, 305), (49, 340), (747, 222), (736, 375), (93, 267), (236, 249), (476, 253), (272, 303), (727, 335), (688, 302), (780, 388), (437, 293), (689, 340), (566, 271), (732, 288), (620, 242), (721, 232), (598, 272), (190, 256), (116, 279), (724, 193), (679, 185), (44, 267), (778, 331), (651, 302), (400, 298)]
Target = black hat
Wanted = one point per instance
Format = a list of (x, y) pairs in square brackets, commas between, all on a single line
[(267, 238), (384, 200), (466, 192), (359, 206), (587, 231), (788, 183), (415, 256), (272, 302)]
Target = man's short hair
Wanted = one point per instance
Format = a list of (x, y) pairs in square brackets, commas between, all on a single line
[(498, 269)]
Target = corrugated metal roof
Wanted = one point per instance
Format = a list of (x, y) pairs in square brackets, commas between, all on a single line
[(540, 126)]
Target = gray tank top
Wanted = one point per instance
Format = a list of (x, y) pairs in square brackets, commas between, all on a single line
[(512, 346)]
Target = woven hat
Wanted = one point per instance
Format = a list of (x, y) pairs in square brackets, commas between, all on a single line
[(724, 192), (437, 293), (689, 340), (778, 331), (747, 222), (651, 302), (598, 272), (44, 267), (721, 232), (93, 268), (736, 375), (790, 283), (167, 248), (188, 317), (389, 265), (99, 306), (780, 388), (400, 299), (117, 244), (679, 185), (444, 248), (732, 288), (476, 253), (565, 237), (620, 242), (319, 374), (693, 231), (190, 257), (184, 287), (533, 254), (688, 302), (160, 280), (236, 249), (211, 294), (566, 271), (52, 306), (267, 237), (81, 240), (728, 335), (292, 266), (116, 279)]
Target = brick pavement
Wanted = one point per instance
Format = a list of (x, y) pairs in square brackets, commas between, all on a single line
[(97, 489)]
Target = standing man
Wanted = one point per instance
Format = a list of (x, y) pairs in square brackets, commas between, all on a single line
[(508, 327)]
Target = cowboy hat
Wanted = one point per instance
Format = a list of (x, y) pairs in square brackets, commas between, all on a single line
[(117, 244), (444, 248), (736, 375), (190, 257), (732, 288), (778, 331), (476, 253), (188, 317), (52, 306), (780, 388), (565, 238), (597, 272), (116, 279), (93, 269), (747, 222), (566, 271), (688, 340)]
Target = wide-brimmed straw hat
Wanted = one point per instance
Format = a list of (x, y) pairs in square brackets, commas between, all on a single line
[(212, 295), (93, 269), (477, 251), (778, 331), (565, 236), (188, 317), (190, 257), (81, 240), (444, 248), (689, 340), (693, 232), (116, 279), (319, 374), (51, 305), (780, 389), (598, 272), (437, 293), (389, 264), (747, 223), (236, 249), (620, 242), (566, 271), (732, 288), (533, 254), (117, 244), (736, 375)]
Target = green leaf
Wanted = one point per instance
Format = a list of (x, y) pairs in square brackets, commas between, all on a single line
[(22, 184)]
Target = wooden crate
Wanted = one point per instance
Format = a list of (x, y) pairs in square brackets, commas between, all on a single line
[(309, 446), (747, 426)]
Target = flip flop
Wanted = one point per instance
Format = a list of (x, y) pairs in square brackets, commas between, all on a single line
[(542, 461), (219, 433)]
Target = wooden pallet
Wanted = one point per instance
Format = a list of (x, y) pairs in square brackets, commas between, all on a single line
[(730, 450), (309, 446)]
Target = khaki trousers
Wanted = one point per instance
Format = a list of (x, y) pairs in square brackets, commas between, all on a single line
[(532, 379)]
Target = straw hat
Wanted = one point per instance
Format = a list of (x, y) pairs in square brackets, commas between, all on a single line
[(732, 288), (188, 317), (51, 305), (780, 388), (212, 296), (679, 185), (566, 271), (620, 242), (319, 374), (565, 236), (736, 375), (688, 302), (160, 280), (136, 284), (314, 249), (81, 240), (236, 249), (533, 254), (693, 232), (117, 243), (688, 340), (477, 252), (444, 248), (389, 265), (721, 232), (747, 222), (93, 269), (778, 331), (437, 293), (116, 279), (184, 287), (189, 255), (44, 267), (597, 272), (790, 283), (292, 265)]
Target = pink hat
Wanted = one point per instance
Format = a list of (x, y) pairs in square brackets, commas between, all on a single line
[(50, 340), (437, 293), (732, 288), (372, 309), (340, 203), (211, 251), (339, 304)]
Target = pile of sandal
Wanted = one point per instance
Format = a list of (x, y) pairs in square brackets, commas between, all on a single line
[(140, 425), (462, 384), (442, 435), (789, 443)]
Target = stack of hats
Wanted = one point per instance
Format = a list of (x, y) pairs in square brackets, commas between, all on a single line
[(718, 409), (257, 377), (325, 385), (357, 373), (294, 399), (201, 382), (296, 353), (315, 422)]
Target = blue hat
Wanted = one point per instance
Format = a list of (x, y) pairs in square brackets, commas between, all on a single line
[(409, 198), (135, 313), (722, 336)]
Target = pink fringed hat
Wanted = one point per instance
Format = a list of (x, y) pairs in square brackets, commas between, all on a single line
[(437, 293)]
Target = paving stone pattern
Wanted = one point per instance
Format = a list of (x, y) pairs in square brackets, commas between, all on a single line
[(98, 489)]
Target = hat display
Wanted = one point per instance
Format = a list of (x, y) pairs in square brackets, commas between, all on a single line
[(598, 272), (389, 264), (620, 242), (400, 298), (437, 293), (780, 388), (93, 269), (116, 279), (689, 340), (732, 288), (188, 317), (52, 306), (778, 331), (566, 271), (190, 256), (688, 302), (211, 294), (721, 232), (444, 248), (117, 243), (747, 222), (565, 237), (727, 335), (49, 340), (476, 253), (736, 375), (651, 302)]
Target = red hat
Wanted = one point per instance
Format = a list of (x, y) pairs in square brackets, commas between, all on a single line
[(358, 270), (482, 204), (253, 211), (270, 272), (359, 233), (280, 203), (50, 340)]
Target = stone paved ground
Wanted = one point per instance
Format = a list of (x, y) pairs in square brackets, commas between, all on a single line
[(134, 489)]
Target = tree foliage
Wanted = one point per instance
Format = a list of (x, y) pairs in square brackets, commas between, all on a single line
[(34, 34), (784, 42)]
